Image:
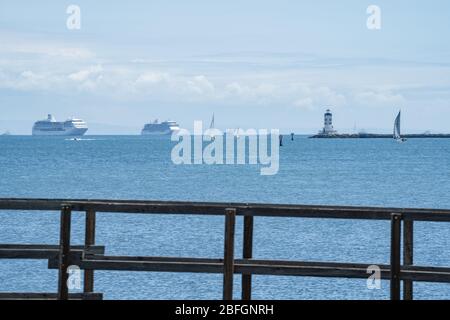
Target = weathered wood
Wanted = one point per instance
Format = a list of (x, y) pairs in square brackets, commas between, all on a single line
[(89, 240), (408, 248), (247, 254), (260, 267), (47, 296), (18, 251), (50, 247), (228, 261), (396, 220), (426, 275), (64, 242), (90, 257), (206, 208)]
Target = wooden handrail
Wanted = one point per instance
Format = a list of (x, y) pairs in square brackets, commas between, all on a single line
[(90, 257), (216, 208)]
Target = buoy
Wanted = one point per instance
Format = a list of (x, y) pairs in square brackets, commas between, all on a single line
[(292, 136), (281, 140)]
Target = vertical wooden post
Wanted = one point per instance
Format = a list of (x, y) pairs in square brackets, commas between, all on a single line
[(64, 252), (396, 229), (408, 248), (247, 254), (228, 261), (89, 240)]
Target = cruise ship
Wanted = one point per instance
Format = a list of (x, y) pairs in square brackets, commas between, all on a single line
[(159, 128), (51, 127)]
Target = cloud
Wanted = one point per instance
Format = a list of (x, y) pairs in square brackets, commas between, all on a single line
[(28, 80), (311, 97), (274, 80), (200, 85), (86, 74), (379, 98), (32, 46), (131, 82), (50, 50), (304, 103), (164, 84), (152, 78), (253, 91)]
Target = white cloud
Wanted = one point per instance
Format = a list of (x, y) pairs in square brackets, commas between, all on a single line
[(130, 81), (86, 74), (36, 46), (152, 78), (308, 87), (28, 80), (50, 50), (304, 103), (253, 91), (379, 98), (311, 97), (234, 88), (200, 85)]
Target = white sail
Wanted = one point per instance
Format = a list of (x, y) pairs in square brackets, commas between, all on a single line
[(397, 135), (211, 126)]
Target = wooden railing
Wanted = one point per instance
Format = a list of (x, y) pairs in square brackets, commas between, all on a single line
[(90, 257)]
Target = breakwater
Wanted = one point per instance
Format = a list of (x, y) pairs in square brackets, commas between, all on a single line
[(375, 135)]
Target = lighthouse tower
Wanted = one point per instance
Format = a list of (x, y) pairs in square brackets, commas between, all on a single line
[(328, 123)]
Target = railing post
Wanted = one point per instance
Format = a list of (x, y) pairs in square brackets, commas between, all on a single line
[(247, 254), (396, 228), (89, 240), (228, 261), (64, 252), (408, 248)]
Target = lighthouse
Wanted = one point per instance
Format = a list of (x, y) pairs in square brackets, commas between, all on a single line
[(328, 123)]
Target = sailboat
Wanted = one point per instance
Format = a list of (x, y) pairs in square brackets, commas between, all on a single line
[(211, 126), (397, 135), (237, 133)]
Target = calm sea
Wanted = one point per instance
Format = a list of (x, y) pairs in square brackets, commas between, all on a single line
[(375, 172)]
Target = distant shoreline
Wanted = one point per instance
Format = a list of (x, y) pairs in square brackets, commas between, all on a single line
[(316, 136), (375, 135)]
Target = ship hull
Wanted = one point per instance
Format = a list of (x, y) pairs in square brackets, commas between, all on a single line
[(157, 133), (158, 129), (65, 132)]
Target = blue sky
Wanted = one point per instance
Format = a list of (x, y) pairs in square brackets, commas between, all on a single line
[(255, 64)]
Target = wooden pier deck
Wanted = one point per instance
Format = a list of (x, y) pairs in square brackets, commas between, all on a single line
[(90, 257)]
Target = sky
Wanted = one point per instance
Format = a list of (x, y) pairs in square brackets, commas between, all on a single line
[(254, 63)]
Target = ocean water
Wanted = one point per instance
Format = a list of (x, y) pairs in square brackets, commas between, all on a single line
[(374, 172)]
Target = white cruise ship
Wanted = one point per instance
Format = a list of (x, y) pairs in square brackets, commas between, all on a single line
[(156, 128), (51, 127)]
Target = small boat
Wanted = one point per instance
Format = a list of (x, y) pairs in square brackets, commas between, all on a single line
[(397, 134)]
